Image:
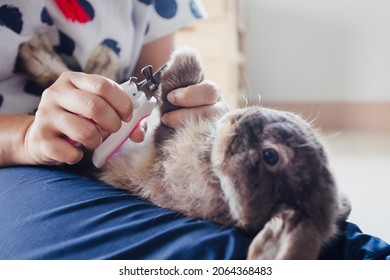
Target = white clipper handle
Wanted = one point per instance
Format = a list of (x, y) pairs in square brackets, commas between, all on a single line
[(142, 107)]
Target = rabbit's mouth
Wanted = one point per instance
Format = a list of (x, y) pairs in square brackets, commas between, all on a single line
[(237, 132), (237, 162)]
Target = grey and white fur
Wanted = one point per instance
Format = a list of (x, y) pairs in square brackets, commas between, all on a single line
[(262, 170)]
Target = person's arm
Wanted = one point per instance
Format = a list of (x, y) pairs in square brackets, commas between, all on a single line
[(156, 53)]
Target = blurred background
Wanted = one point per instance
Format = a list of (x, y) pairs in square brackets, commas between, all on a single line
[(327, 60)]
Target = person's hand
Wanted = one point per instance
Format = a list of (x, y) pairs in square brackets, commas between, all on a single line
[(203, 99), (78, 108)]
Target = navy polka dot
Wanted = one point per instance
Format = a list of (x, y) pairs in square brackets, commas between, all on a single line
[(195, 9), (11, 18), (146, 2), (45, 17), (112, 44), (1, 100), (166, 8), (33, 89), (66, 45), (87, 8)]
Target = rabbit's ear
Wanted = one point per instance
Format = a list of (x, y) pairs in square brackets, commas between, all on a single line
[(287, 235), (345, 207)]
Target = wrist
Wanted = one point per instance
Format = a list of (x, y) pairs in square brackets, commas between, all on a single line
[(14, 129)]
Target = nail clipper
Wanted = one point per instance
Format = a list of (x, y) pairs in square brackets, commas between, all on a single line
[(142, 96)]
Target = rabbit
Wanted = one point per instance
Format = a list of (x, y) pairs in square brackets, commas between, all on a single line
[(259, 169)]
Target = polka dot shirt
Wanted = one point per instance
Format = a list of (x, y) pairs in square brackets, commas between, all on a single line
[(75, 28)]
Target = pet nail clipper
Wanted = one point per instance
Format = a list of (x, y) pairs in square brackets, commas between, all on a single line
[(141, 94)]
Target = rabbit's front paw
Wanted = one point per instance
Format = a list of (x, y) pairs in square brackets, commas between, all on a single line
[(183, 69)]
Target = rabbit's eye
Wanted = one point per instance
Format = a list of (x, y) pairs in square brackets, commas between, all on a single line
[(270, 156)]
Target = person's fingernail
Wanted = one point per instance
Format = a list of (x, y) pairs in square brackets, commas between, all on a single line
[(171, 97), (129, 118), (164, 119)]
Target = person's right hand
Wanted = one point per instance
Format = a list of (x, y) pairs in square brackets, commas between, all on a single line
[(80, 107)]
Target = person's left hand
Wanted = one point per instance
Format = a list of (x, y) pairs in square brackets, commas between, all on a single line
[(203, 99)]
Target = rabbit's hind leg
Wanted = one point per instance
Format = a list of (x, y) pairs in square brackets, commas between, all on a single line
[(37, 59)]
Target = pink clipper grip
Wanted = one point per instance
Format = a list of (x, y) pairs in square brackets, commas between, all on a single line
[(124, 140), (113, 142)]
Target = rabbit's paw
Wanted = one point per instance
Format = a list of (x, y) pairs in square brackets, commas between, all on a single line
[(183, 69)]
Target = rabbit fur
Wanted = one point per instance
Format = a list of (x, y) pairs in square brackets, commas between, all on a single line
[(262, 170)]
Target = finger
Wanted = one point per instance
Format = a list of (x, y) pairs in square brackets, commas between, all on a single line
[(107, 89), (90, 106), (176, 119), (58, 151), (139, 132), (80, 130), (204, 93)]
